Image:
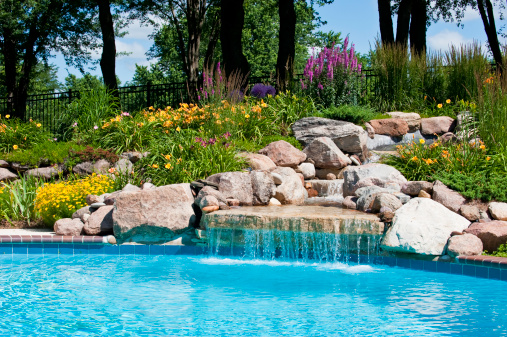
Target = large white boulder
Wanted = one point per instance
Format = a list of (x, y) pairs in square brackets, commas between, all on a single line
[(291, 191), (375, 174), (422, 226)]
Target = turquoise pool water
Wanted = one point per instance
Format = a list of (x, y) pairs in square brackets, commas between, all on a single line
[(203, 296)]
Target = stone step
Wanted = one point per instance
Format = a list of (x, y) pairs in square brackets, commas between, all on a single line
[(328, 188)]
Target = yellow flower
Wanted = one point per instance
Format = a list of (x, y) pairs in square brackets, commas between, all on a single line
[(7, 116), (448, 101), (422, 141), (440, 105), (39, 125), (414, 158), (482, 147), (167, 156), (154, 166), (15, 147), (168, 166), (488, 158), (178, 129), (247, 116)]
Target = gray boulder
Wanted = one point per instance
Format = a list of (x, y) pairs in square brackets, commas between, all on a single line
[(100, 222), (45, 172), (263, 187), (352, 175), (498, 210), (307, 170), (153, 216), (347, 136), (291, 191), (6, 175), (208, 196), (325, 154), (413, 188), (385, 200), (68, 227), (447, 197), (465, 245), (124, 166), (234, 185), (422, 226)]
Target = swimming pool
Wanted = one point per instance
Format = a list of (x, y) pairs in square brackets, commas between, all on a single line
[(59, 295)]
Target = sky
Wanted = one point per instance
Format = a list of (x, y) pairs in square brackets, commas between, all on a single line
[(357, 18)]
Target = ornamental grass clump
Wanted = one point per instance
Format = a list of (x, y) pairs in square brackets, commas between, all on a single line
[(334, 76), (59, 200)]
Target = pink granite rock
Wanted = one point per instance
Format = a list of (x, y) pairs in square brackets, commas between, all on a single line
[(394, 127), (283, 154), (492, 234)]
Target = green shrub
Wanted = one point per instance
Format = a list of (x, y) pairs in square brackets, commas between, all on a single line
[(17, 199), (48, 152), (356, 114), (501, 252), (286, 108), (486, 186)]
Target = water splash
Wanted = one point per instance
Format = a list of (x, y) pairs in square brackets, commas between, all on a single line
[(354, 243)]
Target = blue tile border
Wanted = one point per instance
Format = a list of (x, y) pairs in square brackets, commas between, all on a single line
[(480, 268)]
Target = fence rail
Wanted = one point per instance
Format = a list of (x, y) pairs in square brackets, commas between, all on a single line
[(47, 107)]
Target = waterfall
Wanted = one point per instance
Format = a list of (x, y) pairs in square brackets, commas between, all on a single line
[(354, 243)]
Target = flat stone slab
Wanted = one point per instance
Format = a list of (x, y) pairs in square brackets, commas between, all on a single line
[(296, 218)]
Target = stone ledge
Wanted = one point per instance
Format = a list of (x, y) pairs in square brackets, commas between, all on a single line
[(483, 260)]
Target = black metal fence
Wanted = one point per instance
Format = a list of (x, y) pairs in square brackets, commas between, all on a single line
[(48, 107)]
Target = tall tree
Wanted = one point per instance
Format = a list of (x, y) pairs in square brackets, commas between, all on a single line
[(29, 31), (488, 19), (418, 23), (286, 43), (108, 59), (385, 22), (232, 17)]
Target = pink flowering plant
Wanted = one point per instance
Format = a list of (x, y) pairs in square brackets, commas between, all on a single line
[(217, 87), (333, 77)]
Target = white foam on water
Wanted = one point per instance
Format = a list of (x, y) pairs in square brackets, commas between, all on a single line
[(345, 268)]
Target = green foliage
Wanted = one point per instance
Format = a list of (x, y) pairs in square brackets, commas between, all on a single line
[(501, 252), (356, 114), (85, 114), (286, 108), (187, 155), (254, 146), (17, 135), (82, 84), (47, 152), (17, 199)]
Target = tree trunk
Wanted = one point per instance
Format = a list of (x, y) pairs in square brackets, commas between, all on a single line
[(196, 10), (488, 19), (108, 59), (403, 24), (386, 22), (232, 19), (418, 27), (212, 42), (286, 43), (10, 63)]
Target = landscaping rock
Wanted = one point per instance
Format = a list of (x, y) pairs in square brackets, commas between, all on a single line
[(100, 222), (234, 185), (347, 136), (325, 154), (133, 156), (464, 245), (45, 172), (492, 234), (148, 186), (6, 175), (101, 166), (470, 212), (83, 213), (422, 226), (330, 176), (385, 200), (284, 154), (448, 137), (208, 196), (307, 170), (412, 118), (447, 197), (291, 191), (300, 175), (424, 194), (97, 205), (124, 166), (437, 125), (413, 188), (209, 209), (322, 173), (277, 178), (20, 168), (4, 164), (92, 199), (263, 187), (69, 227), (84, 168), (326, 188), (404, 198), (393, 127), (370, 130), (153, 216), (233, 202), (498, 210), (350, 202), (109, 200), (355, 160), (258, 161), (130, 188), (352, 175), (274, 202)]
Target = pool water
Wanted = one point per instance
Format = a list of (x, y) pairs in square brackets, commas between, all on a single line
[(212, 296)]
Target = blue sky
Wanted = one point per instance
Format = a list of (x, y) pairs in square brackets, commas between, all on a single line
[(358, 19)]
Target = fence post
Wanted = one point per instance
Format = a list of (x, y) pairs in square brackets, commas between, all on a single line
[(148, 94)]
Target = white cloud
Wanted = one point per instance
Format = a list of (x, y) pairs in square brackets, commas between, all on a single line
[(136, 49), (445, 38), (136, 30), (471, 15)]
